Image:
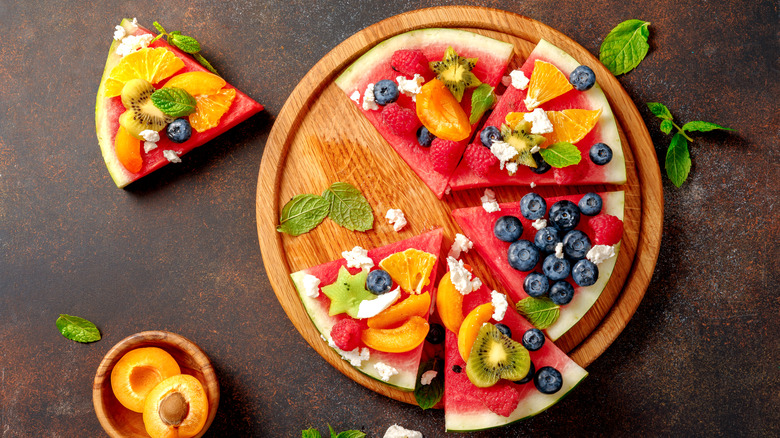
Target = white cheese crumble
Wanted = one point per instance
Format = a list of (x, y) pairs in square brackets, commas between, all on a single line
[(448, 190), (503, 151), (533, 184), (150, 135), (489, 202), (461, 244), (500, 305), (172, 156), (131, 43), (540, 123), (559, 250), (132, 26), (358, 258), (370, 308), (149, 146), (461, 278), (600, 253), (410, 87), (519, 80), (369, 102), (511, 167), (385, 371), (428, 376), (355, 96), (311, 286), (355, 357), (535, 149), (119, 33), (539, 224), (396, 431), (396, 218), (506, 80)]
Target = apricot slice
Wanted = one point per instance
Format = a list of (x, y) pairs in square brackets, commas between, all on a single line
[(176, 407), (128, 150), (449, 304), (414, 305), (441, 113), (137, 372), (397, 340), (469, 330)]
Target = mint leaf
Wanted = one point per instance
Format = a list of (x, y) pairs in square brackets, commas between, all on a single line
[(77, 329), (678, 160), (625, 46), (174, 102), (482, 100), (302, 213), (348, 207), (541, 312), (159, 28), (198, 57), (660, 110), (667, 126), (185, 43), (351, 434), (310, 433), (332, 432), (428, 395), (698, 126), (561, 154)]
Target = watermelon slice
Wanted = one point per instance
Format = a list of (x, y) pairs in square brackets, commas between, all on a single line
[(318, 308), (469, 408), (108, 110), (586, 172), (493, 57), (477, 225)]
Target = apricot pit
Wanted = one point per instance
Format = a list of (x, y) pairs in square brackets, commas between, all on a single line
[(176, 407)]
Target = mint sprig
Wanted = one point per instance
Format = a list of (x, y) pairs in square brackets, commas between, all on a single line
[(174, 102), (186, 44), (428, 396), (482, 100), (541, 312), (314, 433), (625, 46), (343, 202), (302, 213), (561, 154), (77, 329)]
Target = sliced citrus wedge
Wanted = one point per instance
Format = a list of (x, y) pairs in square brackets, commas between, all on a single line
[(569, 125), (547, 83), (210, 108), (149, 64), (197, 83), (411, 269)]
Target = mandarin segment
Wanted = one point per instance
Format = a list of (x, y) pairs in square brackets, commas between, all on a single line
[(449, 304), (469, 330), (176, 407), (440, 112), (411, 269), (397, 340), (152, 65), (414, 305), (547, 83), (210, 109), (571, 125), (138, 372)]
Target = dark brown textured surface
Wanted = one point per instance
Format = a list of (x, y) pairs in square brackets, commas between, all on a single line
[(177, 251)]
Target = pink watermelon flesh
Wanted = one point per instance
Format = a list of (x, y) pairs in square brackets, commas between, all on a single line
[(493, 57), (586, 172), (317, 308), (467, 407), (477, 225), (108, 111)]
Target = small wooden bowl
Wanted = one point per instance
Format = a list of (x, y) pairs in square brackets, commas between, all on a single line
[(120, 422)]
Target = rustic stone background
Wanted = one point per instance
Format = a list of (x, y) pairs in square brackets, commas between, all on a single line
[(178, 250)]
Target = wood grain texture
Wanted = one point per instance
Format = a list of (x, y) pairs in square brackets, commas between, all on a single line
[(320, 137)]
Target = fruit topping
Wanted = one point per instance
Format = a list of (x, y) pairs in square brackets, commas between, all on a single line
[(585, 273), (399, 119), (347, 292), (561, 292), (529, 376), (547, 83), (455, 72), (379, 282), (590, 204), (541, 165), (435, 334), (536, 284), (523, 255), (346, 334), (600, 154), (490, 134), (548, 380), (546, 239), (385, 91), (409, 62), (197, 83), (520, 138), (479, 159), (533, 206), (413, 305), (533, 339), (424, 136), (471, 326), (504, 329), (495, 356), (457, 369), (508, 228), (571, 125), (606, 229), (151, 65), (449, 304), (410, 269), (210, 109), (582, 78), (564, 215), (141, 113), (441, 113), (138, 372), (444, 155), (177, 406), (128, 150), (179, 131), (397, 340), (576, 244), (555, 269)]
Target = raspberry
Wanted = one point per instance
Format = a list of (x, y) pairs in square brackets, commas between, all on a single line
[(444, 156), (346, 334), (569, 174), (479, 159), (409, 62), (606, 229), (400, 120)]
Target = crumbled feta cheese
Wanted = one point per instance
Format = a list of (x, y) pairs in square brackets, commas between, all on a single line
[(461, 278), (428, 376), (539, 224), (519, 80), (396, 431), (500, 305), (503, 151), (540, 123), (172, 156), (533, 184), (355, 357), (461, 244), (311, 286), (150, 135), (385, 371), (448, 190), (535, 149), (600, 253), (369, 308), (506, 80), (132, 26), (355, 96), (131, 43), (511, 167), (489, 201), (369, 102), (119, 33), (410, 87), (149, 146), (358, 258), (396, 218), (559, 250)]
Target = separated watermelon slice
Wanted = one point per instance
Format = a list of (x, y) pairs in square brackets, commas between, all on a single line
[(477, 224), (421, 47), (374, 362), (158, 66), (586, 172)]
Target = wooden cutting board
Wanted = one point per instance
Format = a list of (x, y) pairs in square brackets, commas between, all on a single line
[(320, 137)]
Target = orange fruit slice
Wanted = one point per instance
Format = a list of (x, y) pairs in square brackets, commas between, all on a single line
[(128, 150), (210, 108), (149, 64), (197, 82), (469, 330), (411, 269), (440, 112), (547, 83), (569, 125), (397, 340)]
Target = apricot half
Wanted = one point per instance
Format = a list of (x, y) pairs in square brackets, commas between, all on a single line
[(414, 305), (397, 340), (176, 408), (441, 113), (469, 330), (449, 304), (137, 372)]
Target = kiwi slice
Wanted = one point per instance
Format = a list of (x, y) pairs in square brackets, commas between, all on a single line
[(520, 138), (455, 72), (495, 356), (141, 113)]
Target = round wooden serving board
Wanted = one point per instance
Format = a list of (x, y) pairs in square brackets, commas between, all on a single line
[(320, 137)]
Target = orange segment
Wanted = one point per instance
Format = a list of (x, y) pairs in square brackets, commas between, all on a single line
[(569, 125), (211, 108), (414, 305), (469, 330), (197, 82), (128, 150), (411, 269), (150, 64), (397, 340), (449, 304), (440, 112), (137, 372), (547, 83), (192, 403)]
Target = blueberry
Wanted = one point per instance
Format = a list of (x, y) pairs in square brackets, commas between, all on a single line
[(600, 154), (424, 136), (529, 376), (536, 284), (533, 339), (503, 328), (435, 334), (576, 244), (379, 282), (561, 292), (179, 131), (585, 273), (590, 204), (385, 91), (457, 369), (564, 215), (555, 269), (548, 380), (508, 228), (533, 206), (523, 255), (541, 165), (582, 78), (488, 135), (546, 239)]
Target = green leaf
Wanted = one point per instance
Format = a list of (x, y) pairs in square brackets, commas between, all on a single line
[(667, 126), (174, 102), (77, 329), (428, 395), (561, 154), (186, 43), (482, 100), (348, 207), (625, 46), (198, 57), (541, 312), (311, 433), (302, 213), (678, 160), (159, 27), (698, 126), (332, 432), (351, 434), (660, 110)]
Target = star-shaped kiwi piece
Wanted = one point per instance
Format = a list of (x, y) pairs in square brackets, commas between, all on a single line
[(455, 72), (347, 292), (520, 138)]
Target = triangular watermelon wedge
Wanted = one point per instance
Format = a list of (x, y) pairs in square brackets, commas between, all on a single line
[(586, 172), (477, 225), (469, 408), (108, 110), (493, 57), (405, 363)]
